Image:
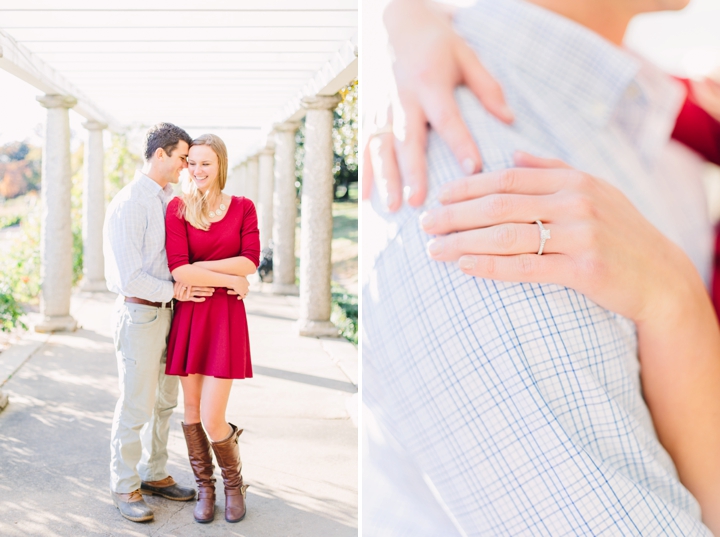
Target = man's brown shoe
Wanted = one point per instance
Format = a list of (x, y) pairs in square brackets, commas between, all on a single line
[(168, 488), (132, 506)]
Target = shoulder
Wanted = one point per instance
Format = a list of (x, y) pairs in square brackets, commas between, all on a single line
[(244, 203), (176, 208)]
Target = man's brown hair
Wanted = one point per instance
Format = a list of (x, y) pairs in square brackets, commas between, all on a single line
[(165, 135)]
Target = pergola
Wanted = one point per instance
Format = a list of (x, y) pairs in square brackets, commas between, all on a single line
[(245, 70)]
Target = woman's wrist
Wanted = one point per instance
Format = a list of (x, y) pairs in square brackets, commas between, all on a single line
[(678, 296)]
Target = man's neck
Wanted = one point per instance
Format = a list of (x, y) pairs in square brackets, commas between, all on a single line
[(608, 18), (153, 174)]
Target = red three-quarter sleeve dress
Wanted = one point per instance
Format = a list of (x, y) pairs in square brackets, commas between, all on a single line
[(211, 338)]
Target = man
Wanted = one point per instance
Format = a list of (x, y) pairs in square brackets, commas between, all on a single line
[(515, 409), (136, 269)]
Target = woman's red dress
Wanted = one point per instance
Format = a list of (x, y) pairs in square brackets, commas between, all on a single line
[(211, 338)]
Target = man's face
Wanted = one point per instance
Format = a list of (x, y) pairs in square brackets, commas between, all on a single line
[(176, 162)]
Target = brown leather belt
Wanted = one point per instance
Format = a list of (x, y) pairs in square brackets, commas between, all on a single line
[(134, 300)]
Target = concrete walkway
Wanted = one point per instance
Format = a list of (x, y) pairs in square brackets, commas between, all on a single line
[(299, 448)]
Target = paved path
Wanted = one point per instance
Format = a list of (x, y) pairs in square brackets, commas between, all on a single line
[(299, 447)]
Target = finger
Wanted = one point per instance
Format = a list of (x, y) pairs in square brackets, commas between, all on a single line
[(553, 268), (203, 288), (411, 143), (231, 292), (509, 181), (444, 115), (385, 169), (505, 239), (367, 173), (490, 211), (195, 299), (526, 160), (482, 84)]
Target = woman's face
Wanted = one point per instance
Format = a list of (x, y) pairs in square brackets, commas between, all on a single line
[(203, 166)]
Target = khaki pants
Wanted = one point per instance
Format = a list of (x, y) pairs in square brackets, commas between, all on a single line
[(141, 424)]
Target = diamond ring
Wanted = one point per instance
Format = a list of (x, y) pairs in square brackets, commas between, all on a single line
[(544, 235)]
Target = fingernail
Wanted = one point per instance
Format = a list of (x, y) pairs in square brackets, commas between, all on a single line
[(391, 199), (435, 247), (469, 166), (507, 113), (467, 262), (427, 220), (409, 192), (444, 194)]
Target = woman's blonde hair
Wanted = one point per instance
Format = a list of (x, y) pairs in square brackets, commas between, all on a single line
[(196, 208)]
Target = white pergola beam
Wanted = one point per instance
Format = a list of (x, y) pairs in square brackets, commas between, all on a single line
[(19, 61), (337, 72)]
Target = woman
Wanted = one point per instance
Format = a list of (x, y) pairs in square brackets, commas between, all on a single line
[(603, 247), (212, 238)]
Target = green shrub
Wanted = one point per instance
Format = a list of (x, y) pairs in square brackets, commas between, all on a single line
[(345, 314), (9, 220), (10, 311)]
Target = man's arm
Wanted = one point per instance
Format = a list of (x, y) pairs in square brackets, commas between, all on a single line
[(125, 230)]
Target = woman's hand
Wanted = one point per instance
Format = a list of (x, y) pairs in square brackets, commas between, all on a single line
[(430, 61), (600, 244), (191, 293), (240, 287)]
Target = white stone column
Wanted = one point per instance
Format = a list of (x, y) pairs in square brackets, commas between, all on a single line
[(284, 210), (316, 219), (93, 211), (251, 179), (265, 207), (56, 233)]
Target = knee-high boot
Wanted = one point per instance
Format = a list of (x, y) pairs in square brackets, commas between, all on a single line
[(227, 453), (201, 462)]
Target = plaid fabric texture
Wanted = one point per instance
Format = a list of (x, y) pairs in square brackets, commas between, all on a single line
[(516, 409), (134, 241)]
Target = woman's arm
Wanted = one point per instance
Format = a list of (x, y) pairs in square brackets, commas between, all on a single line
[(604, 248), (176, 246), (238, 266)]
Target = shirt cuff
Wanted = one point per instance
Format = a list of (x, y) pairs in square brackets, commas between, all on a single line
[(168, 291)]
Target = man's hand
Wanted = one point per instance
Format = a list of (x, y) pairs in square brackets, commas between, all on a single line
[(240, 288), (430, 61), (190, 293)]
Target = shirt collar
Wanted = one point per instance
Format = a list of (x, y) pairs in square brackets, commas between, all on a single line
[(600, 81), (152, 187), (590, 73)]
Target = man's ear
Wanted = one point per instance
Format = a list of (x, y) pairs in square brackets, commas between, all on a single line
[(160, 153)]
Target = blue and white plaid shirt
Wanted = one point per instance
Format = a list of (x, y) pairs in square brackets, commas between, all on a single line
[(516, 409), (134, 241)]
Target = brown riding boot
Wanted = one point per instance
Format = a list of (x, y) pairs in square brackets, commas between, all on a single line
[(202, 465), (227, 453)]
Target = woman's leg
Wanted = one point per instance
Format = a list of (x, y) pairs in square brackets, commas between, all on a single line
[(192, 386), (199, 449), (214, 400)]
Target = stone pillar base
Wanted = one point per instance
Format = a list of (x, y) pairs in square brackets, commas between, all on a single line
[(3, 401), (93, 285), (307, 328), (56, 324), (284, 289)]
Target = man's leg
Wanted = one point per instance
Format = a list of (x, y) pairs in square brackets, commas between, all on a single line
[(140, 340), (155, 434)]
